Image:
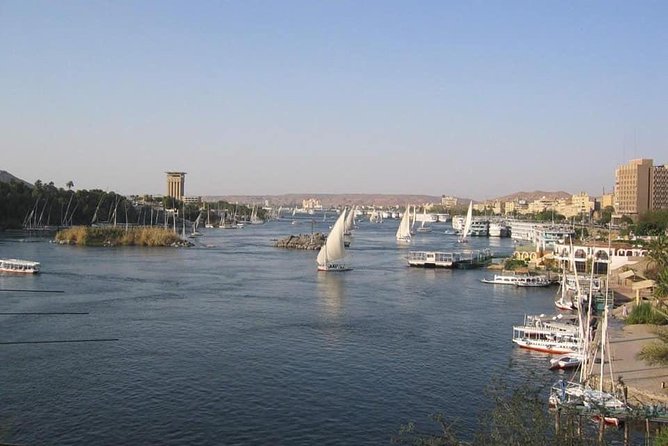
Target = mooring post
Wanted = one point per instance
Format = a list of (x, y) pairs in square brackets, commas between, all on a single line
[(557, 420)]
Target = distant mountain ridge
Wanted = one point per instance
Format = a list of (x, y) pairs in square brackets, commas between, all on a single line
[(6, 177), (328, 200), (384, 200), (531, 196)]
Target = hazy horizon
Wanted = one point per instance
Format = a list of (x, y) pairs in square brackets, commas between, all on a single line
[(266, 98)]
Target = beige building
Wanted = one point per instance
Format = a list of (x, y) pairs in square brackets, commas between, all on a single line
[(311, 204), (176, 182), (659, 187), (607, 200), (632, 187), (448, 202)]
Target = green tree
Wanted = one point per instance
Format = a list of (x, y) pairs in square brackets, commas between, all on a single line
[(516, 417), (606, 214), (656, 352)]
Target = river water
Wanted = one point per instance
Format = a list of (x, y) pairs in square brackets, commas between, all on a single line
[(236, 342)]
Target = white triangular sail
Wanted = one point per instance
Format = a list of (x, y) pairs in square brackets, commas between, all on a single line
[(467, 223), (333, 250), (404, 230), (350, 221)]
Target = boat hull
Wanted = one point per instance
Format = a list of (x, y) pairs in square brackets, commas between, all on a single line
[(334, 268)]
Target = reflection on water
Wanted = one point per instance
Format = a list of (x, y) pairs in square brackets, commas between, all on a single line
[(331, 291)]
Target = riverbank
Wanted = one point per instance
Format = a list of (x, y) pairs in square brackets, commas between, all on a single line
[(116, 236), (646, 384)]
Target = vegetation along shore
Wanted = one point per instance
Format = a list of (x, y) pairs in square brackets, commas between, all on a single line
[(116, 236)]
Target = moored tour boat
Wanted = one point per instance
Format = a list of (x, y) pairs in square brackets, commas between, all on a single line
[(19, 266), (526, 280)]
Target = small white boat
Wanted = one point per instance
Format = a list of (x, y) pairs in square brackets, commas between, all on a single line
[(563, 304), (567, 361), (19, 266)]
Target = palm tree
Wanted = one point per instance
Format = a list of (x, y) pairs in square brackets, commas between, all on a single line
[(658, 252), (70, 185)]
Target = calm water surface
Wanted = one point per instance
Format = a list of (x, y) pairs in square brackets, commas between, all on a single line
[(237, 342)]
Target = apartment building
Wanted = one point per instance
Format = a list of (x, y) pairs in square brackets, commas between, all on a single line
[(633, 187)]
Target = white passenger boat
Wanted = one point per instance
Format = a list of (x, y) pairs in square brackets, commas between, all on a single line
[(524, 280), (549, 334), (19, 266)]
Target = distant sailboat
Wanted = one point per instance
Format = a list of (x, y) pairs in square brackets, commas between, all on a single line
[(195, 226), (208, 219), (350, 222), (333, 251), (467, 224), (404, 230), (422, 227)]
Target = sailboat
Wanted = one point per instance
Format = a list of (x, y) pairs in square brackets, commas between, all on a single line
[(350, 222), (404, 230), (467, 224), (423, 227), (254, 219), (581, 394), (333, 251), (195, 226), (208, 224)]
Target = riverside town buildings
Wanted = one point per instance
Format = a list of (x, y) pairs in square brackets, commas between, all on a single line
[(640, 187)]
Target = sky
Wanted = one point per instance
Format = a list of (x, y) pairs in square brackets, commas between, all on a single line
[(467, 98)]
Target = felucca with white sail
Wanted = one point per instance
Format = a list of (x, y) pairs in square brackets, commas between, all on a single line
[(404, 230), (467, 224), (332, 253)]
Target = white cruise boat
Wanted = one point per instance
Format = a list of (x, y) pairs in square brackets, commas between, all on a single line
[(479, 228), (19, 266), (498, 230), (525, 280)]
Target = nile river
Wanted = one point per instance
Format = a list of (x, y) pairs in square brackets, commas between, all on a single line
[(236, 342)]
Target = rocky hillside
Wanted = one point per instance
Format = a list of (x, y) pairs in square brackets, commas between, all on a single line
[(6, 177)]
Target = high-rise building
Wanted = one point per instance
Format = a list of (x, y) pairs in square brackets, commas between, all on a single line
[(633, 187), (659, 187), (176, 182)]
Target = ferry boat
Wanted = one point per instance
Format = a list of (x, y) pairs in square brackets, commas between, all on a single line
[(461, 260), (19, 266), (558, 334), (523, 280)]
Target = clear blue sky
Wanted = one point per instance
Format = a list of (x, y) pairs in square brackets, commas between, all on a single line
[(471, 98)]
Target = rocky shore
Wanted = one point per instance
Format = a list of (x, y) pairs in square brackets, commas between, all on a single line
[(302, 241)]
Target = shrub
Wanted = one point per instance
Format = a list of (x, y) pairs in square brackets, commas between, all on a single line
[(645, 314)]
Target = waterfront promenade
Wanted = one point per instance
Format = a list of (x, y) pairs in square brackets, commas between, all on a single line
[(645, 383)]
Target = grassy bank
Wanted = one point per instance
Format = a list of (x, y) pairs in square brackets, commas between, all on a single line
[(90, 236)]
